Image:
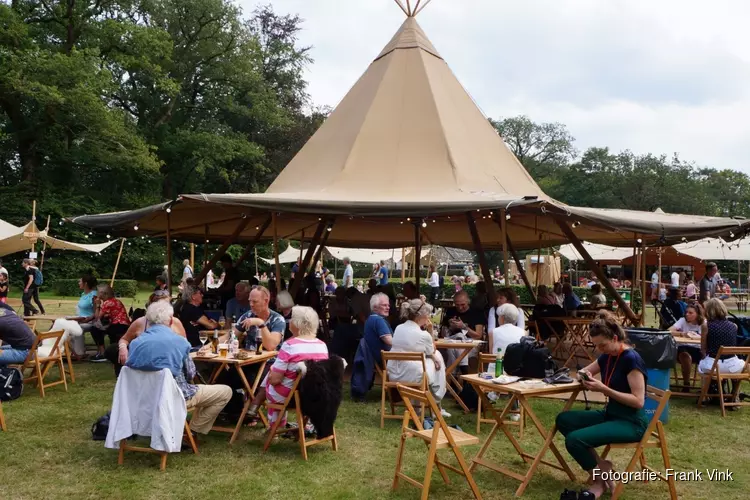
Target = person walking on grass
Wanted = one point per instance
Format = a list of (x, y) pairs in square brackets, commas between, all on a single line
[(31, 282)]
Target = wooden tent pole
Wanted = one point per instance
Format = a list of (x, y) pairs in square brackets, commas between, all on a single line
[(739, 273), (634, 274), (169, 252), (319, 251), (482, 257), (255, 249), (222, 249), (538, 262), (521, 270), (301, 244), (417, 252), (276, 251), (249, 248), (192, 256), (205, 251), (643, 284), (33, 219), (568, 232), (117, 263), (44, 247), (307, 259), (504, 229), (403, 264)]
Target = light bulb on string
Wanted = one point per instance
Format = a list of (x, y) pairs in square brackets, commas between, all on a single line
[(169, 210), (424, 223), (135, 228)]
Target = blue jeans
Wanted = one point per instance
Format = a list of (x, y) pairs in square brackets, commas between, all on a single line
[(10, 356)]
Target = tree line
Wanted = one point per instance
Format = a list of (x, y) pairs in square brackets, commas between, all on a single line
[(115, 104)]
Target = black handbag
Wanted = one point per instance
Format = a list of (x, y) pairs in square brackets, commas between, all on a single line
[(100, 428), (529, 359)]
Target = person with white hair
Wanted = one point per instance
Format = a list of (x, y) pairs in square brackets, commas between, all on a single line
[(348, 273), (415, 335), (187, 271), (303, 346), (506, 332), (158, 348), (378, 334)]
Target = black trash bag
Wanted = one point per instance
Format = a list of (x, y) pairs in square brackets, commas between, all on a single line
[(657, 347), (743, 326)]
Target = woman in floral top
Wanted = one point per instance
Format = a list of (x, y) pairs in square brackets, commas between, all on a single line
[(110, 317)]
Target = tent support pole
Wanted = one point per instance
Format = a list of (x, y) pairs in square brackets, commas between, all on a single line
[(301, 244), (222, 250), (251, 246), (295, 284), (205, 251), (33, 218), (403, 264), (643, 284), (504, 229), (255, 249), (276, 252), (483, 258), (521, 270), (319, 252), (117, 263), (192, 255), (568, 232), (44, 247), (634, 273), (417, 252), (169, 253), (538, 262)]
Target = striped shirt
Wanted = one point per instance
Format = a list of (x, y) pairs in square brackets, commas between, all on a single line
[(293, 351)]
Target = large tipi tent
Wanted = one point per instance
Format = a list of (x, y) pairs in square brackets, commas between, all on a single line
[(409, 119)]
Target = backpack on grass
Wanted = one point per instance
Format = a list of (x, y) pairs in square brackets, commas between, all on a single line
[(11, 383)]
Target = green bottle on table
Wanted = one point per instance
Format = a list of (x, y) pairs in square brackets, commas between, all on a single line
[(499, 363)]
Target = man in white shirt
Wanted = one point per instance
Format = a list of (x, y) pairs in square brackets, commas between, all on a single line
[(654, 285), (348, 273), (434, 283), (675, 279), (507, 332)]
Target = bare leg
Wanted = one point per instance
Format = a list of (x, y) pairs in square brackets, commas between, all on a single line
[(686, 363)]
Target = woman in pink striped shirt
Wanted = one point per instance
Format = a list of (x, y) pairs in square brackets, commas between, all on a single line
[(302, 346)]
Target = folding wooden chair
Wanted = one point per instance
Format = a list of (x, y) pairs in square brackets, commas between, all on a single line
[(736, 378), (654, 437), (484, 361), (301, 423), (65, 347), (441, 436), (39, 366), (388, 386), (163, 454), (3, 427)]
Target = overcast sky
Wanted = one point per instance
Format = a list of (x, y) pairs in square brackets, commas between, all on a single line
[(658, 76)]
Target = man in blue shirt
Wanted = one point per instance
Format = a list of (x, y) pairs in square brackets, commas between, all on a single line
[(158, 348), (378, 334), (16, 335), (261, 323), (240, 303), (383, 273)]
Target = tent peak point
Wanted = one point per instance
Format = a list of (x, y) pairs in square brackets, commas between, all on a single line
[(411, 7)]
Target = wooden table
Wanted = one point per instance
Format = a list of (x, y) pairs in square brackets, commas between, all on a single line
[(224, 362), (43, 317), (450, 380), (519, 392), (687, 341)]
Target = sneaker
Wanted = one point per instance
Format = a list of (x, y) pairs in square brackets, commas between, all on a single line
[(98, 358), (444, 413), (514, 417)]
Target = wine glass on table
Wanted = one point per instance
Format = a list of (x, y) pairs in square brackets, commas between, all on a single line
[(203, 337), (222, 322)]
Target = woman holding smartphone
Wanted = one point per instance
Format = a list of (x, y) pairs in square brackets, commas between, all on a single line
[(623, 382)]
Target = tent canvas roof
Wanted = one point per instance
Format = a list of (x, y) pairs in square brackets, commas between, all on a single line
[(701, 250), (409, 121), (17, 239)]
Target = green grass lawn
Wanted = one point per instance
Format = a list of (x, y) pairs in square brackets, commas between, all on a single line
[(48, 454)]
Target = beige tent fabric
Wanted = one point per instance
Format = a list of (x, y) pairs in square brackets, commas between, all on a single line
[(365, 255), (15, 239), (716, 249), (597, 252), (407, 144), (406, 132)]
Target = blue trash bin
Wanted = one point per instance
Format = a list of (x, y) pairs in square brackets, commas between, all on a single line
[(659, 379)]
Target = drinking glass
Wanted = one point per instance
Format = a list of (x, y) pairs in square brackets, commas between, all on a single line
[(203, 337), (222, 322)]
